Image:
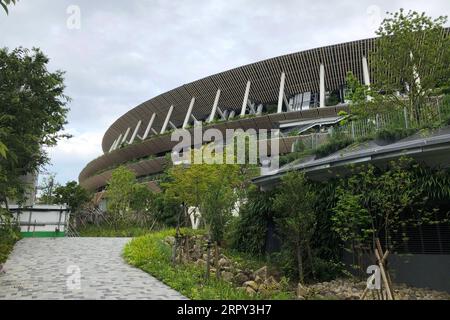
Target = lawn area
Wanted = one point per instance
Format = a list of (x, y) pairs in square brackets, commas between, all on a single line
[(151, 254)]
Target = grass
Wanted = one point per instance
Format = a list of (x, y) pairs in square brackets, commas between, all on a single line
[(152, 255), (106, 231), (7, 240)]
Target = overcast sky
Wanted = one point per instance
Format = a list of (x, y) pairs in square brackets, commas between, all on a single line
[(126, 52)]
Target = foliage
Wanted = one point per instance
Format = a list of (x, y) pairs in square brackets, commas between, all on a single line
[(32, 111), (248, 232), (6, 3), (211, 185), (295, 217), (394, 134), (411, 56), (72, 194), (334, 144), (47, 189), (152, 255), (127, 198), (370, 203), (8, 237)]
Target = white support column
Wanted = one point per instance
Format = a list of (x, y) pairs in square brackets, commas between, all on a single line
[(113, 146), (133, 136), (119, 139), (188, 114), (415, 73), (366, 72), (366, 75), (166, 122), (281, 94), (214, 108), (244, 103), (322, 85), (126, 135), (173, 125), (149, 126)]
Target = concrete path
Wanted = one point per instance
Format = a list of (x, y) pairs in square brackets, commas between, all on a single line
[(76, 268)]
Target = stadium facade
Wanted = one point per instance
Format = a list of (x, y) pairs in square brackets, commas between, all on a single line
[(296, 91)]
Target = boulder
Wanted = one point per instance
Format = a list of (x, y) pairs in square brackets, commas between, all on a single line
[(240, 278), (169, 240), (250, 290), (200, 263), (272, 284), (251, 284), (227, 276), (259, 280), (261, 272), (223, 262), (301, 291)]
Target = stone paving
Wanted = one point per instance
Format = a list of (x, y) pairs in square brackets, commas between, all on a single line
[(77, 268)]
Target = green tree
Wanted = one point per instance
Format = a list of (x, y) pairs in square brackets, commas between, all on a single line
[(47, 189), (73, 195), (370, 203), (411, 56), (119, 194), (295, 216), (33, 112)]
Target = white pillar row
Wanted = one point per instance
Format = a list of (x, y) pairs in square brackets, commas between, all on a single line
[(281, 94), (149, 126), (113, 146), (244, 103), (126, 135), (322, 85), (166, 122), (214, 108), (135, 132), (189, 112)]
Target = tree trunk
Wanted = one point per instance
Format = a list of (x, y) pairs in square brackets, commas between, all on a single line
[(216, 259), (300, 264), (208, 259)]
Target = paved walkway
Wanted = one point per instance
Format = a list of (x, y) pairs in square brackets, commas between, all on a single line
[(48, 269)]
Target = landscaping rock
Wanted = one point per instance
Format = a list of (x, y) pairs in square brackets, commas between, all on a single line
[(262, 273), (302, 291), (251, 284), (250, 290), (169, 240), (200, 263), (227, 276), (223, 262), (259, 280), (240, 278)]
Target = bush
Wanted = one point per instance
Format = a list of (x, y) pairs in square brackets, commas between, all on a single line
[(394, 134), (333, 145), (248, 232), (8, 237)]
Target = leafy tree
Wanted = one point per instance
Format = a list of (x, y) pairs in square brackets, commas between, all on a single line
[(72, 194), (411, 56), (296, 217), (119, 194), (370, 203), (32, 111), (48, 188), (6, 3)]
